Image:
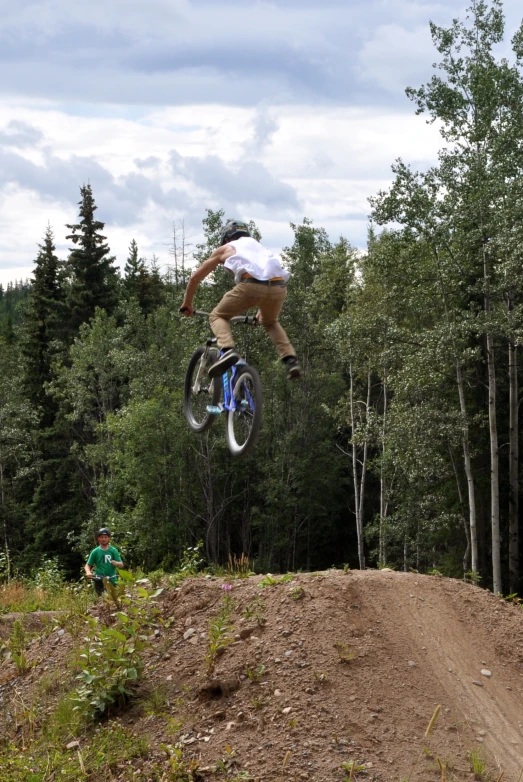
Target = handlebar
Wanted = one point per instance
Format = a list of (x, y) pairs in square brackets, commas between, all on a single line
[(250, 320)]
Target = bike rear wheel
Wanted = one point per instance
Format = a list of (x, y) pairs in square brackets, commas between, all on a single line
[(243, 424), (200, 390)]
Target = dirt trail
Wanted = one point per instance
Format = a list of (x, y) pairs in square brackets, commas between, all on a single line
[(451, 632), (458, 644), (410, 643)]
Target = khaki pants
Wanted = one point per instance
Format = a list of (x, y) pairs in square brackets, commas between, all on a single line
[(268, 298)]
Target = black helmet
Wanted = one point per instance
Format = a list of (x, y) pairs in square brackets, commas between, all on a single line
[(103, 531), (233, 230)]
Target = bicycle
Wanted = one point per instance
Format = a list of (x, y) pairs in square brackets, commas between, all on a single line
[(239, 387), (105, 580)]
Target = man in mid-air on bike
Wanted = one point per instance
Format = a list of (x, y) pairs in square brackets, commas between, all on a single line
[(261, 282), (105, 559)]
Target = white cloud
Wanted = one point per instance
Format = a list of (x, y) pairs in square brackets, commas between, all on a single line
[(23, 219), (172, 164), (272, 110), (395, 57), (348, 143)]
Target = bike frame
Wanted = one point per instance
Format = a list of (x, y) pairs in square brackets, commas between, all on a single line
[(228, 378), (229, 402), (237, 392)]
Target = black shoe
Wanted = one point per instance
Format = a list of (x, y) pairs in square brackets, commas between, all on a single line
[(294, 371), (225, 362)]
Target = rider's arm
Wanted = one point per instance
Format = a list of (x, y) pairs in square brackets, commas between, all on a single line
[(91, 560), (215, 259), (116, 561)]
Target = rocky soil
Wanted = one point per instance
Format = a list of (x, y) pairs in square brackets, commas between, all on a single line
[(324, 670)]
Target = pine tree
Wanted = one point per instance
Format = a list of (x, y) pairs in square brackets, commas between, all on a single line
[(142, 284), (7, 331), (133, 270), (42, 326), (93, 275), (150, 287), (154, 296), (43, 334)]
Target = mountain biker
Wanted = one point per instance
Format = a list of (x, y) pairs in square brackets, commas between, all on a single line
[(105, 559), (260, 281)]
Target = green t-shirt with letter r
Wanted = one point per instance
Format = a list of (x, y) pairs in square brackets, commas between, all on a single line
[(100, 559)]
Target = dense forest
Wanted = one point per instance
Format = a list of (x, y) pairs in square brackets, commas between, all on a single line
[(399, 447)]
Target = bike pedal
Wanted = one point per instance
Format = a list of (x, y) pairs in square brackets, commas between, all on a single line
[(214, 409)]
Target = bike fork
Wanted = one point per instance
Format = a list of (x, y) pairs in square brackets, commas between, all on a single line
[(202, 369)]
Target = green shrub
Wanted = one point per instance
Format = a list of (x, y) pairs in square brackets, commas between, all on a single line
[(155, 577), (220, 633), (49, 576), (192, 559), (112, 659), (4, 566)]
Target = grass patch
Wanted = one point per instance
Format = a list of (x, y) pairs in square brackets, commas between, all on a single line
[(239, 567), (24, 597), (98, 753), (477, 765), (271, 580), (220, 633), (345, 653), (156, 702), (255, 610)]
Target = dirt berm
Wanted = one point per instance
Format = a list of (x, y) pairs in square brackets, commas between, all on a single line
[(329, 669)]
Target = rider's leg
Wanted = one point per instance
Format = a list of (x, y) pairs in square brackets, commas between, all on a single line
[(270, 307), (99, 587), (233, 303), (270, 304)]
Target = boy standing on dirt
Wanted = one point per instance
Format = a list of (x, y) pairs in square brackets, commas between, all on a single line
[(261, 282), (105, 560)]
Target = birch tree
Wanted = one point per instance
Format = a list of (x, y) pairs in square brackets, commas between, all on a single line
[(477, 102)]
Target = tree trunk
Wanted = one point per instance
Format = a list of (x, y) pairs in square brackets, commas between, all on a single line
[(467, 528), (513, 503), (473, 539), (361, 551), (493, 432), (383, 501), (4, 515), (358, 501)]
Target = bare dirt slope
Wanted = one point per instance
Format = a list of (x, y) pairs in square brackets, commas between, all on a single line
[(354, 666)]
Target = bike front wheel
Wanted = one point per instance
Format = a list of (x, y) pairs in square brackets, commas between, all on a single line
[(244, 422), (200, 390)]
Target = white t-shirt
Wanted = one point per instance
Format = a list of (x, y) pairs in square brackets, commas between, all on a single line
[(253, 258)]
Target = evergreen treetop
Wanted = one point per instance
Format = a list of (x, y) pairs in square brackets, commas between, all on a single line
[(43, 324), (91, 268)]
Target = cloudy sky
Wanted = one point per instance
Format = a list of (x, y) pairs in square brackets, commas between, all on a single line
[(270, 110)]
